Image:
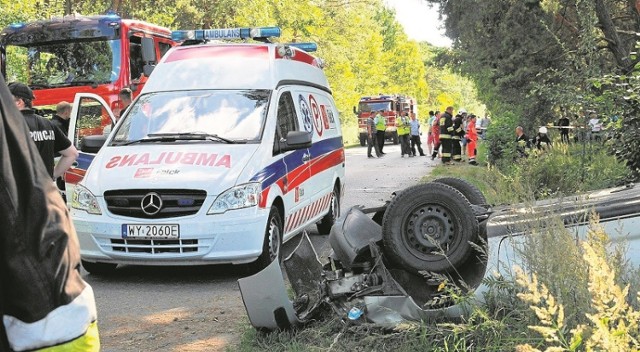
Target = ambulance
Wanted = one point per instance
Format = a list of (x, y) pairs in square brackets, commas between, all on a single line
[(231, 149)]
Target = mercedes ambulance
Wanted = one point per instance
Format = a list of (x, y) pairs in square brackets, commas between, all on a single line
[(229, 150)]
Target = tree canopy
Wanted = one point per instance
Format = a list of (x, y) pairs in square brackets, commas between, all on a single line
[(364, 46)]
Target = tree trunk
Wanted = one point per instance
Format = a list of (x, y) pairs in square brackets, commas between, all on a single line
[(614, 44)]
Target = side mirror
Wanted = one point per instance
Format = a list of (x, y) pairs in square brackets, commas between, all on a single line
[(148, 55), (92, 144), (296, 140)]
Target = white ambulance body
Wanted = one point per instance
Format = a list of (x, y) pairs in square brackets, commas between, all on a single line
[(229, 150)]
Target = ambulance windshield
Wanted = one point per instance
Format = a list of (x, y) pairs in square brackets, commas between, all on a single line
[(235, 115)]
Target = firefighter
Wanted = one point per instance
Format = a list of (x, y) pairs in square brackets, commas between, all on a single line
[(381, 127), (472, 138), (456, 138), (404, 128), (446, 132)]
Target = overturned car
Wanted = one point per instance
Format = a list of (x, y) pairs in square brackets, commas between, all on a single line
[(405, 260)]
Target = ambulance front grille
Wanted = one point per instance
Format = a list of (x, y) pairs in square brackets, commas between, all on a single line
[(175, 202), (154, 246)]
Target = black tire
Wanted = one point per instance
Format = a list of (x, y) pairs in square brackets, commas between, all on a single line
[(396, 140), (324, 226), (467, 189), (272, 245), (99, 268), (435, 209), (363, 140)]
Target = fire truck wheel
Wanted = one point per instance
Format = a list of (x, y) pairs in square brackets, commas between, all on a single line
[(429, 227), (363, 140), (324, 226), (99, 268), (468, 190), (272, 246), (395, 138)]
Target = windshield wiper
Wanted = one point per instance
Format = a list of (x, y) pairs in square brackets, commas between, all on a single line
[(193, 136), (172, 137)]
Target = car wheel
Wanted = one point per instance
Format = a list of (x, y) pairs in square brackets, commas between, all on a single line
[(429, 227), (324, 226), (467, 189), (99, 268), (272, 245)]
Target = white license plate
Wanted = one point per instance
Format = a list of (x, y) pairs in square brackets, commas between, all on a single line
[(167, 231)]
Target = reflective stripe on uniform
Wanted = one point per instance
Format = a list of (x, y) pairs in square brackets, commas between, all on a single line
[(445, 136), (446, 155), (90, 341), (61, 325)]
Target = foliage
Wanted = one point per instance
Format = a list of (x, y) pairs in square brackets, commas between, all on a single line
[(600, 316)]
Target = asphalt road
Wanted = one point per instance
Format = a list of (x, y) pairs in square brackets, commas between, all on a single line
[(200, 308)]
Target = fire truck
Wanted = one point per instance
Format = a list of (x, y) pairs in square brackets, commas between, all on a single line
[(63, 56), (391, 105)]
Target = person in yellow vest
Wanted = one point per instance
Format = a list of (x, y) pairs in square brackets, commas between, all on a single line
[(381, 127), (404, 129)]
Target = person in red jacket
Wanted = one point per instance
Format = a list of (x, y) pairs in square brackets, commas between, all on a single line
[(472, 139), (435, 134)]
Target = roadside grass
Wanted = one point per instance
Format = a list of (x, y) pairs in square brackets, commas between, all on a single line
[(571, 293)]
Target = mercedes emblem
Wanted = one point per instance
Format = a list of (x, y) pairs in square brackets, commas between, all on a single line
[(151, 203)]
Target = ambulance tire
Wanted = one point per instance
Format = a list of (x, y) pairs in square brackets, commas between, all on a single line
[(99, 268), (272, 245), (324, 226), (436, 210), (467, 189)]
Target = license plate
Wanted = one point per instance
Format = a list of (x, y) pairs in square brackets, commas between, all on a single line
[(166, 231)]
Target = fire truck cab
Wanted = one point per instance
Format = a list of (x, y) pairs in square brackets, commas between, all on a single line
[(391, 105), (63, 56)]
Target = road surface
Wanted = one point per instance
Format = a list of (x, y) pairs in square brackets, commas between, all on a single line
[(199, 308)]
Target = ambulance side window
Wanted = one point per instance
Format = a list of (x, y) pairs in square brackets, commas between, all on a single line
[(287, 120)]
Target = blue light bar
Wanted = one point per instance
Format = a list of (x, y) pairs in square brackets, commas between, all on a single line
[(308, 47), (17, 25), (225, 33)]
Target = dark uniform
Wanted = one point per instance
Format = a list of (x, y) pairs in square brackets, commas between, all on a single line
[(446, 132), (564, 129), (48, 137), (456, 138), (523, 145), (45, 303), (62, 124)]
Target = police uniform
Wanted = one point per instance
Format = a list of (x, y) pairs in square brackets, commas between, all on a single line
[(49, 139)]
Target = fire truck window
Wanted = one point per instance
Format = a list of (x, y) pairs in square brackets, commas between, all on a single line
[(287, 119), (164, 47), (136, 63)]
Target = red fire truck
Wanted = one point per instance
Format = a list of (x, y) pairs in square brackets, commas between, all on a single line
[(391, 105), (60, 57)]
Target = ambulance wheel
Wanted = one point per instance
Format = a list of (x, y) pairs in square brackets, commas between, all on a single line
[(99, 268), (272, 246), (429, 227), (467, 189), (324, 226)]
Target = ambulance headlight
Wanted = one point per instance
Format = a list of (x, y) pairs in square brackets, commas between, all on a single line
[(83, 199), (242, 196)]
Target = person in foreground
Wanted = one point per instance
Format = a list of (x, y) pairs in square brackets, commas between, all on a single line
[(45, 302)]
